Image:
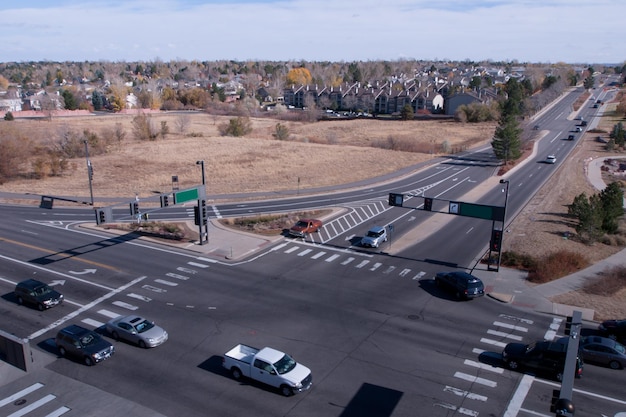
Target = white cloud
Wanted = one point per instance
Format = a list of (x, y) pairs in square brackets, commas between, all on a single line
[(584, 31)]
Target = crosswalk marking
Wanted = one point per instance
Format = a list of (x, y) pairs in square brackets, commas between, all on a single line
[(318, 255), (459, 410), (404, 272), (177, 276), (125, 305), (92, 322), (483, 366), (59, 412), (332, 258), (305, 252), (389, 270), (475, 379), (292, 249), (20, 394), (511, 326), (465, 394), (362, 264), (503, 334), (108, 314), (347, 261), (139, 297), (164, 282), (492, 342), (33, 406), (196, 264), (376, 266)]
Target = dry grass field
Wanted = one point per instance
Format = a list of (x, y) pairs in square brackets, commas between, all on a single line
[(317, 154)]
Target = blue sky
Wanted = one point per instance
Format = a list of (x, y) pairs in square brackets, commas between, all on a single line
[(546, 31)]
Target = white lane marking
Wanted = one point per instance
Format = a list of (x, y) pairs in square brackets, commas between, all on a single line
[(419, 276), (151, 288), (108, 313), (125, 305), (506, 316), (376, 266), (464, 394), (211, 261), (186, 270), (176, 276), (196, 264), (332, 258), (518, 397), (164, 282), (20, 394), (305, 252), (475, 379), (478, 351), (503, 334), (33, 406), (347, 261), (292, 249), (139, 297), (362, 264), (492, 342), (85, 308), (93, 323), (318, 255), (483, 366), (459, 410), (404, 272), (277, 247), (510, 326), (59, 412), (389, 270)]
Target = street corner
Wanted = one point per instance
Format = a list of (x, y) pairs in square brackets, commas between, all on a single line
[(501, 297)]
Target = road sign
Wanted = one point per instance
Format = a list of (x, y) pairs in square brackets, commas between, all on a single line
[(479, 211), (186, 195)]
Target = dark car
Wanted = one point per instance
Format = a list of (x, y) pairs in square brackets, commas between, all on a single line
[(601, 350), (83, 344), (38, 294), (461, 284), (615, 329), (547, 358)]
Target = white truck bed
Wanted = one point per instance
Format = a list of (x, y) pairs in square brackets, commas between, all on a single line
[(243, 353)]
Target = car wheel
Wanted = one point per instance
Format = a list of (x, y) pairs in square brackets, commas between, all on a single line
[(62, 351), (286, 390), (513, 365), (20, 300), (615, 365), (115, 335), (236, 373), (142, 344), (559, 376), (88, 360), (40, 307)]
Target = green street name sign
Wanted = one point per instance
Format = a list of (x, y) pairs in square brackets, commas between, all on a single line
[(186, 195)]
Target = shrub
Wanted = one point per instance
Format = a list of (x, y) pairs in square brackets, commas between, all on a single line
[(518, 260), (9, 116), (282, 132), (557, 265), (609, 282), (239, 126)]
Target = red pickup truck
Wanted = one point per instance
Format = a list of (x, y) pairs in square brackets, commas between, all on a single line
[(305, 226)]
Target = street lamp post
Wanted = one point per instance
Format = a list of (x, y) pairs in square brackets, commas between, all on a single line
[(506, 199), (89, 172), (201, 227)]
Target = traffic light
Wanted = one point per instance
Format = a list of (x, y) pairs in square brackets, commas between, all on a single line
[(205, 215), (196, 215), (568, 325), (496, 240), (134, 208), (428, 204), (165, 200), (100, 217), (396, 199)]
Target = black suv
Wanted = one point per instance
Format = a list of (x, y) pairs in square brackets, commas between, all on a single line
[(38, 294), (540, 357), (461, 284), (83, 343)]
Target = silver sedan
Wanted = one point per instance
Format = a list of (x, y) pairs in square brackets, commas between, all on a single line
[(137, 330)]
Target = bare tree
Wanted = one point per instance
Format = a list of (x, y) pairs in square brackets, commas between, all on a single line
[(182, 123)]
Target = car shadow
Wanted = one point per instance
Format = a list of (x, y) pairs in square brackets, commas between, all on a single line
[(428, 285), (214, 365)]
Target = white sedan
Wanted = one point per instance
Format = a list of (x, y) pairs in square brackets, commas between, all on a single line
[(136, 329), (551, 159)]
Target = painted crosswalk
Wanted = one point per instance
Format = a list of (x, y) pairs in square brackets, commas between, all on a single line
[(32, 399)]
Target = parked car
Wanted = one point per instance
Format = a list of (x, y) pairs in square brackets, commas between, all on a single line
[(614, 329), (551, 159), (304, 226), (37, 293), (542, 357), (82, 343), (601, 350), (374, 237), (137, 330), (461, 284)]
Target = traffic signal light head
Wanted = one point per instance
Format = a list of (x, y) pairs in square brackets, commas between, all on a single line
[(396, 199), (165, 200), (496, 240), (100, 217), (428, 204)]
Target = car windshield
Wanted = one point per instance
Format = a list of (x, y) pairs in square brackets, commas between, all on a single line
[(43, 290), (620, 348), (88, 339), (372, 233), (285, 365), (301, 224), (144, 326)]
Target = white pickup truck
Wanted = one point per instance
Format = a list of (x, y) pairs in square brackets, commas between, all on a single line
[(269, 366)]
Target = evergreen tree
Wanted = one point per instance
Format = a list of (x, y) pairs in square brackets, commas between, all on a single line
[(587, 210), (69, 100), (407, 112), (612, 198), (96, 100), (506, 142)]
